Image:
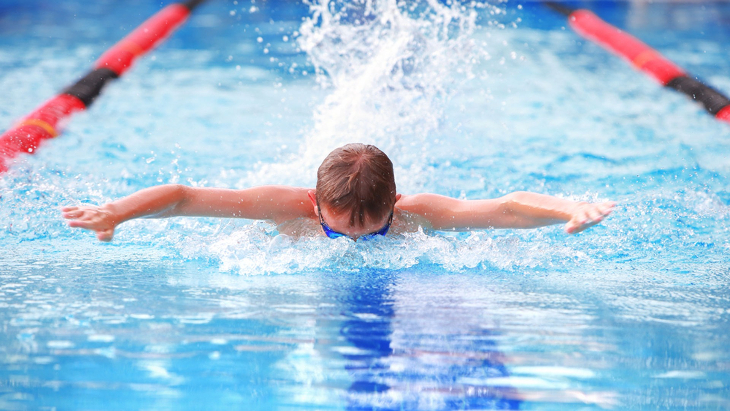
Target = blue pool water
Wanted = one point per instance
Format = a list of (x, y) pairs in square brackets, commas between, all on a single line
[(472, 102)]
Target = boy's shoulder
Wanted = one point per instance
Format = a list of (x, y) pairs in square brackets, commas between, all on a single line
[(424, 203), (407, 217)]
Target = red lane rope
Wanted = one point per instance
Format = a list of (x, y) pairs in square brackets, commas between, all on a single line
[(646, 59), (625, 45), (724, 114), (144, 38), (41, 124), (45, 122)]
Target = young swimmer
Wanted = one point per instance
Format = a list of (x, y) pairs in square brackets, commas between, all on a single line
[(355, 197)]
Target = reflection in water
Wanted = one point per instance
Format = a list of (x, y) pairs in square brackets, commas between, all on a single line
[(415, 376), (369, 307)]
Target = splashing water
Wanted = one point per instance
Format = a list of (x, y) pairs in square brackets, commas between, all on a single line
[(389, 68), (253, 250), (389, 71)]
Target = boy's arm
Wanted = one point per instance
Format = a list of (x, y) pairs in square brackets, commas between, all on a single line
[(276, 203), (516, 210)]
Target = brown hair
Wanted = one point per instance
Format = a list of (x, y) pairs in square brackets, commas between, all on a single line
[(357, 178)]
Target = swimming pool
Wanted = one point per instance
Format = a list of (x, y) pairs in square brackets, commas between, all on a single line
[(216, 314)]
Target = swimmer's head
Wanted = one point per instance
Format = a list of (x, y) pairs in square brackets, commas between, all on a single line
[(356, 188)]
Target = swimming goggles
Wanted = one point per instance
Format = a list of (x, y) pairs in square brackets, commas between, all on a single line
[(334, 234)]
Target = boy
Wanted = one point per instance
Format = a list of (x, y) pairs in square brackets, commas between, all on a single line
[(355, 197)]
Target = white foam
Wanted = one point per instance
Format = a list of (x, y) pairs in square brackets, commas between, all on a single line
[(257, 249), (388, 71)]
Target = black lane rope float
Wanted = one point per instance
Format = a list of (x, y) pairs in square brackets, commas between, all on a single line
[(644, 58), (43, 123)]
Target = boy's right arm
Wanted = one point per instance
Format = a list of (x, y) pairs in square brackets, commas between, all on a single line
[(276, 203)]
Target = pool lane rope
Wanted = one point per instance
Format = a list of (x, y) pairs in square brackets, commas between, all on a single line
[(45, 121), (644, 58)]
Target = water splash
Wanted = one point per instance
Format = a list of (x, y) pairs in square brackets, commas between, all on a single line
[(257, 249), (389, 67), (687, 220)]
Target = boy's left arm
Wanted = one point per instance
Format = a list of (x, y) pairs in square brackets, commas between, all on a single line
[(516, 210)]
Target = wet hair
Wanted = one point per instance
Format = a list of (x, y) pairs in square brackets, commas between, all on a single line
[(359, 179)]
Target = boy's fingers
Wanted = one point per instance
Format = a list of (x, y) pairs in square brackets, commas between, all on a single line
[(588, 216), (584, 217), (595, 215), (73, 214), (573, 226), (105, 235), (575, 229), (68, 208), (604, 209), (76, 223), (81, 224)]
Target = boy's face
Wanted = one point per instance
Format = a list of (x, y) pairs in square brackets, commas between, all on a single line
[(341, 222)]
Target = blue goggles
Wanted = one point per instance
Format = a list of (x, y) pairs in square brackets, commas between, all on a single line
[(334, 234)]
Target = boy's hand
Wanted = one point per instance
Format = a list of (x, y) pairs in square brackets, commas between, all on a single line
[(93, 218), (586, 215)]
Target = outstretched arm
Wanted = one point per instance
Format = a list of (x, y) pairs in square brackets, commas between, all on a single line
[(276, 203), (516, 210)]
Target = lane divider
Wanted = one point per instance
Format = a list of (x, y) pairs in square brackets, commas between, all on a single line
[(644, 58), (46, 121)]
